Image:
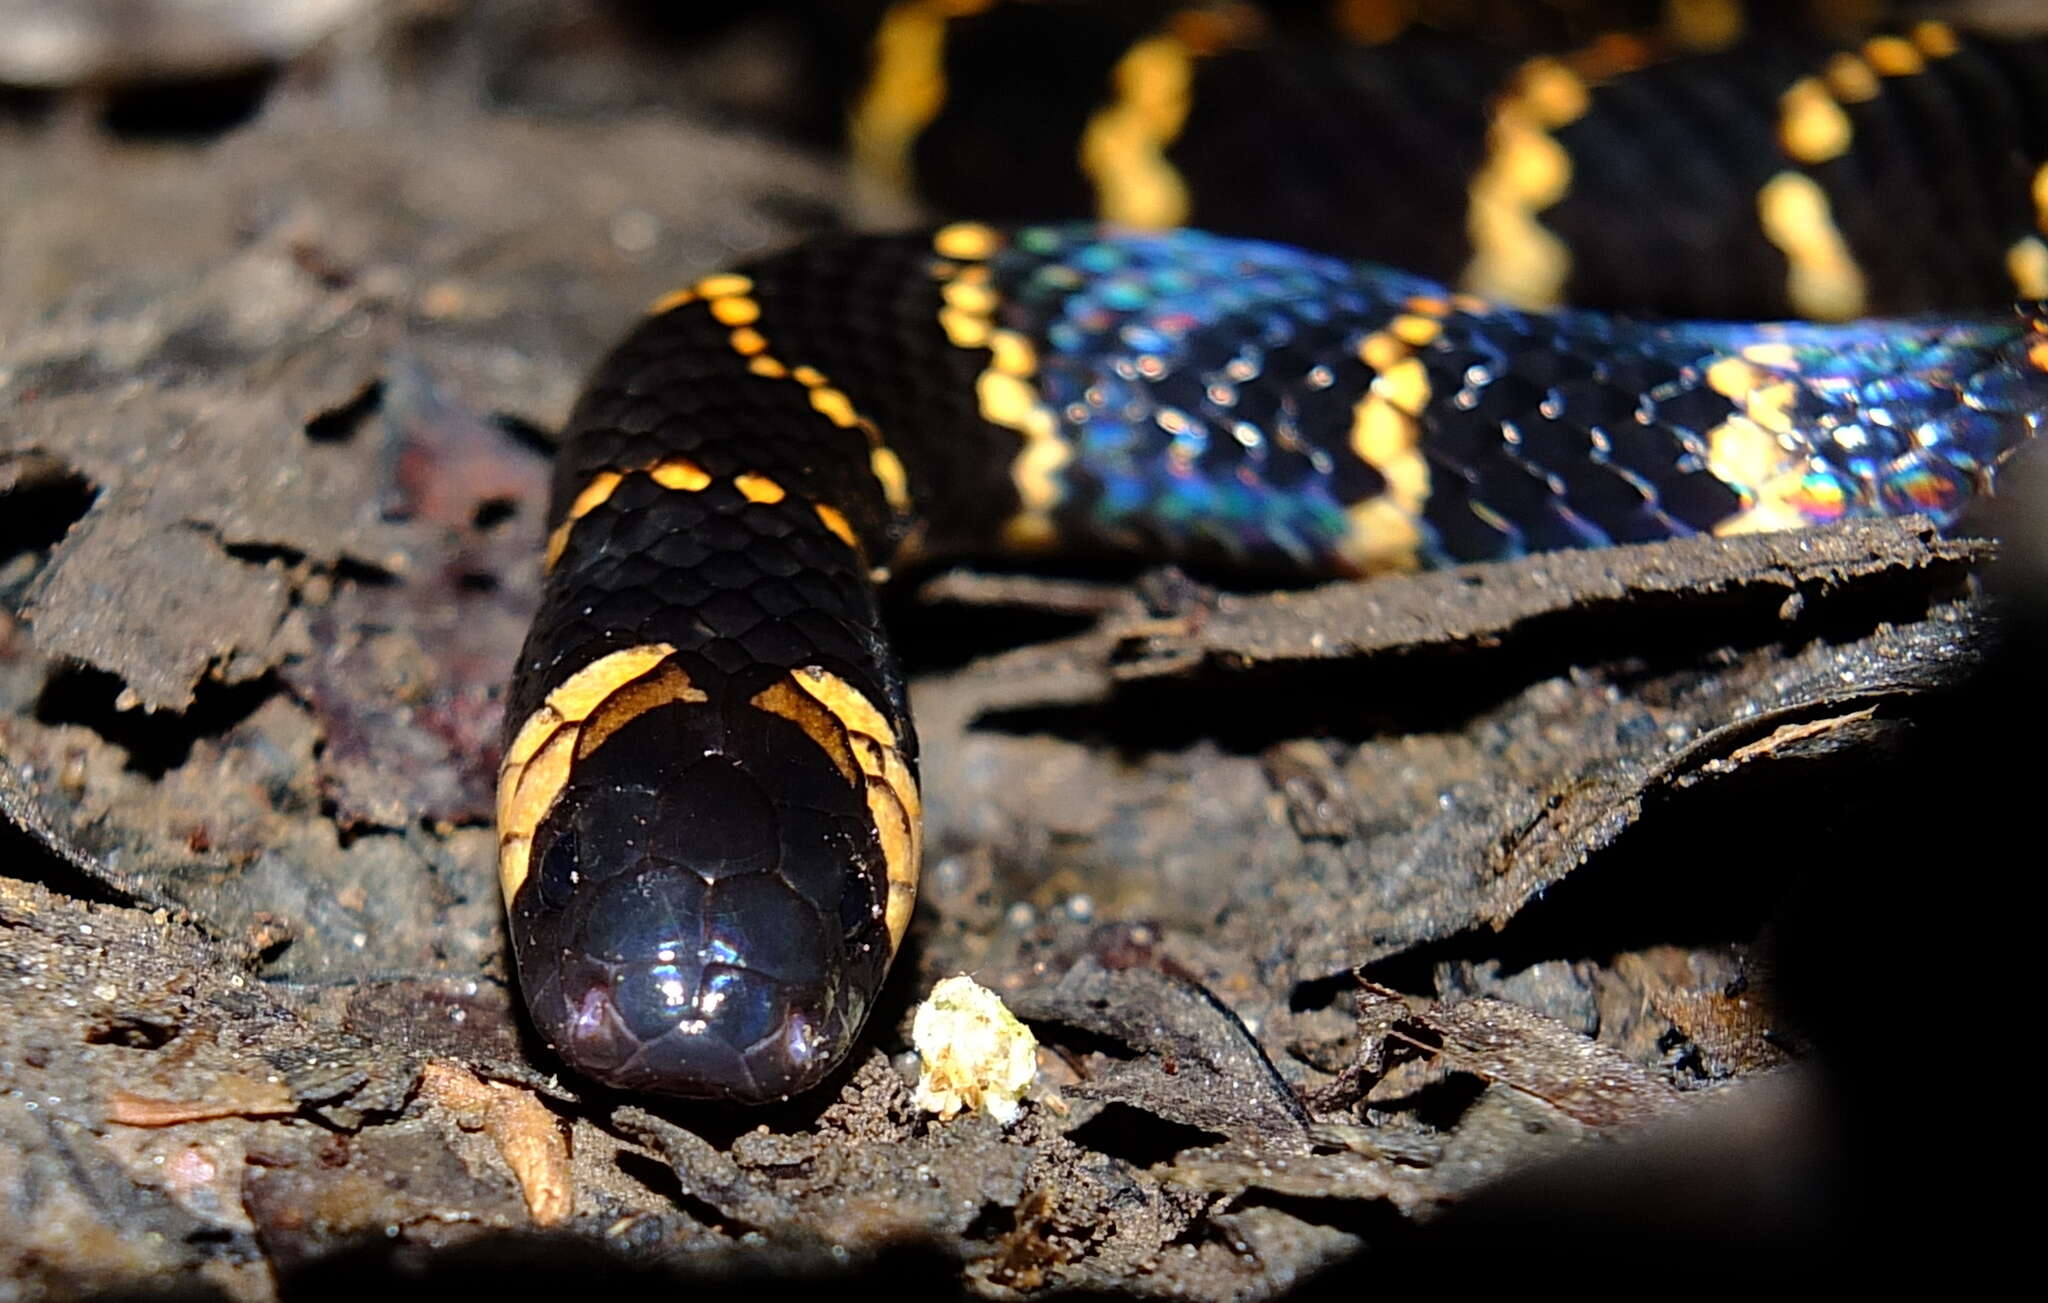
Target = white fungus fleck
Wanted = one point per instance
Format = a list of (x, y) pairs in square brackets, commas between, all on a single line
[(973, 1051)]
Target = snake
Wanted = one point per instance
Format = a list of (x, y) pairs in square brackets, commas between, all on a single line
[(709, 813)]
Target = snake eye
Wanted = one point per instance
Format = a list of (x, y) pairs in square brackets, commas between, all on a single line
[(558, 870)]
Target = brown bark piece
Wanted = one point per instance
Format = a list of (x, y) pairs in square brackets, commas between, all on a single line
[(528, 1137), (232, 1095), (1537, 1056)]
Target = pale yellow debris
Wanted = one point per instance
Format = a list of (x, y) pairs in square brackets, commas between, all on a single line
[(974, 1052)]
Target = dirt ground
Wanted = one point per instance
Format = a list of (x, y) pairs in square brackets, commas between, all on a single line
[(1626, 915)]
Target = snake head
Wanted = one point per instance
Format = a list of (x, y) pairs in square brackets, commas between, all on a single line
[(702, 910)]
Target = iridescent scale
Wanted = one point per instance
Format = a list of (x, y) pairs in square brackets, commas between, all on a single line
[(1218, 395)]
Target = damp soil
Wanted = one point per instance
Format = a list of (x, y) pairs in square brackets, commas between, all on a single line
[(1586, 912)]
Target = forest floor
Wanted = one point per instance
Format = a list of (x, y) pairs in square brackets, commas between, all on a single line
[(1420, 928)]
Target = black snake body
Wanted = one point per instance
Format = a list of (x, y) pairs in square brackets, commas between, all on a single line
[(709, 812)]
